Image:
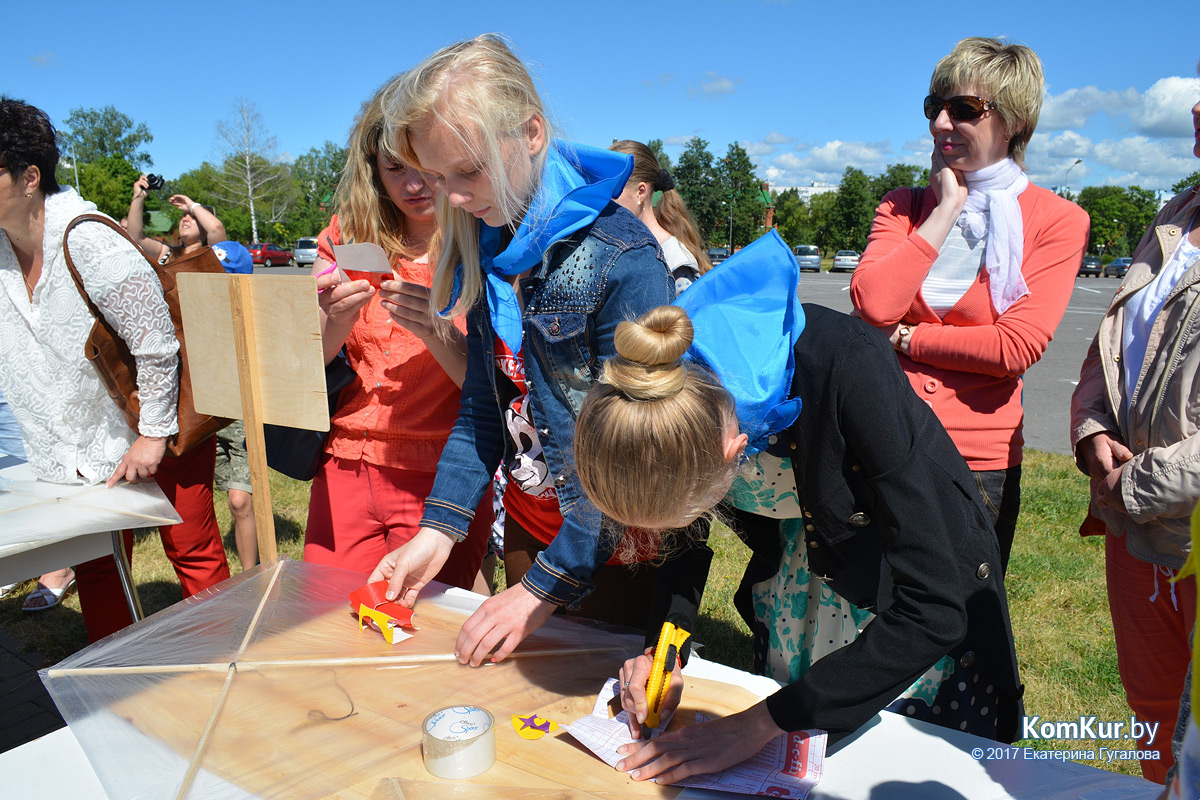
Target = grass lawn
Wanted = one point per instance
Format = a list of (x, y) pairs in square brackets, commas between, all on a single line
[(1055, 589)]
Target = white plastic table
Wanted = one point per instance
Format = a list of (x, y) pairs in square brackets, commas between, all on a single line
[(47, 526)]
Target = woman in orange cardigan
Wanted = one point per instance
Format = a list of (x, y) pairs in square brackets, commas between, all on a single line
[(971, 276)]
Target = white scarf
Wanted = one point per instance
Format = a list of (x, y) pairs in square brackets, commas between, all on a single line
[(992, 207)]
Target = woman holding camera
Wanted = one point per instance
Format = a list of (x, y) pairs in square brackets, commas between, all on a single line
[(198, 227)]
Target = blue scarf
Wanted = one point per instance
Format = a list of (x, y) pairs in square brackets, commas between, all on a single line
[(747, 318), (578, 182)]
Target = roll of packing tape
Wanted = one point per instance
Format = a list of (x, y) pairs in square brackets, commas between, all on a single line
[(459, 742)]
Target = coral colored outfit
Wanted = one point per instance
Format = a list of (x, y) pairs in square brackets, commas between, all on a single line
[(385, 440), (967, 364)]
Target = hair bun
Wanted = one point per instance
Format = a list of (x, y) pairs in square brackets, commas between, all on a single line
[(648, 364)]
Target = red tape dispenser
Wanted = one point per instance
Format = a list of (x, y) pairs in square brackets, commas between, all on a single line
[(386, 616)]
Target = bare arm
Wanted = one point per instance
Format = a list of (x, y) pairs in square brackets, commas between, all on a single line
[(214, 229), (133, 223)]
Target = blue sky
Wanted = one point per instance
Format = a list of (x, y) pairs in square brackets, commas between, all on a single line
[(808, 88)]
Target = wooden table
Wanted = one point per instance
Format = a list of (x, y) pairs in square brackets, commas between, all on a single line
[(314, 707)]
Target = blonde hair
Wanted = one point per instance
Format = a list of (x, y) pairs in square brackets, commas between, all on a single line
[(671, 212), (1010, 75), (650, 437), (482, 93), (365, 212)]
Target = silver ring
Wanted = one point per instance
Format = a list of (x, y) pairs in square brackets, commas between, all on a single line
[(625, 685)]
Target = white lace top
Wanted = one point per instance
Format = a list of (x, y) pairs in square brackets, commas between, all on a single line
[(73, 431)]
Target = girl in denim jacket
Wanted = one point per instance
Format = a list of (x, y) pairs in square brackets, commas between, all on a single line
[(545, 266)]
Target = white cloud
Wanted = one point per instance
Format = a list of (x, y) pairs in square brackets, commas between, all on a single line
[(828, 161), (756, 150), (1074, 107), (774, 137), (44, 58), (715, 86), (1145, 162), (1134, 160), (1165, 110), (678, 141)]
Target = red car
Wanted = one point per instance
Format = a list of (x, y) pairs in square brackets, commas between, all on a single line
[(268, 254)]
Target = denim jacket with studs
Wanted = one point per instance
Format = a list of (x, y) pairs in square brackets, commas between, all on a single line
[(585, 286)]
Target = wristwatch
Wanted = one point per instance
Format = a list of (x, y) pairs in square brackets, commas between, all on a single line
[(902, 339)]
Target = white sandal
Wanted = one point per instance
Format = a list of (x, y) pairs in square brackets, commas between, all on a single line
[(49, 597)]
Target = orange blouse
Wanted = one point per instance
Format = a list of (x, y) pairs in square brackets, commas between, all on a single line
[(399, 411)]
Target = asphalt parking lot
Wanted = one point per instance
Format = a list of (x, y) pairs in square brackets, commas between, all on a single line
[(1049, 383)]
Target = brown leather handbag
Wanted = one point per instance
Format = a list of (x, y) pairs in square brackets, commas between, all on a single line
[(115, 364)]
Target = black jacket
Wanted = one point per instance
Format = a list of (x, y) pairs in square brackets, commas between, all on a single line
[(893, 522)]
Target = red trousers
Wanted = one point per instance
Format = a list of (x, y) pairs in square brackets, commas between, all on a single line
[(1152, 644), (359, 512), (194, 546)]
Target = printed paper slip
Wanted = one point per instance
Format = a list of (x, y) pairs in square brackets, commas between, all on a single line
[(789, 766)]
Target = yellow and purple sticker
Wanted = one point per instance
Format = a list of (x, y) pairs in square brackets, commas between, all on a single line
[(532, 726)]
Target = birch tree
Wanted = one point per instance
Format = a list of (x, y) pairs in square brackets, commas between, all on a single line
[(250, 175)]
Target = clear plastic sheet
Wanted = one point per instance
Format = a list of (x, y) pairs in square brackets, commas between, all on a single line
[(35, 513), (266, 687)]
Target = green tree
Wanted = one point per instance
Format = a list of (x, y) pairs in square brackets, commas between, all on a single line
[(1118, 215), (203, 185), (792, 218), (91, 134), (896, 176), (108, 182), (1184, 183), (853, 211), (664, 160), (696, 180), (743, 191), (315, 175), (820, 216)]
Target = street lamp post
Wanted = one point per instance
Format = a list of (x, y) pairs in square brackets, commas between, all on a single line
[(1067, 178)]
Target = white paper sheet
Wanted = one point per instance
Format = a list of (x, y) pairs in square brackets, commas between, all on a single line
[(361, 257), (789, 766)]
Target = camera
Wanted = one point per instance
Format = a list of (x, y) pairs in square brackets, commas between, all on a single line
[(154, 182)]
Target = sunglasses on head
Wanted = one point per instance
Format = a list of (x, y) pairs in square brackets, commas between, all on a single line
[(962, 108)]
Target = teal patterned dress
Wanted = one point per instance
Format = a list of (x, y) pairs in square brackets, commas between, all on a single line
[(806, 619)]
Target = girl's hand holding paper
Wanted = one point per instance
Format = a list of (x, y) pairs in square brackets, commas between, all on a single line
[(408, 304)]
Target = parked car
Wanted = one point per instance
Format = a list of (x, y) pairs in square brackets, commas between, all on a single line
[(1117, 267), (717, 254), (269, 254), (1090, 265), (844, 260), (305, 252), (808, 256)]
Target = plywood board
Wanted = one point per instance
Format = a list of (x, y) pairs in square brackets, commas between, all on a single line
[(286, 336)]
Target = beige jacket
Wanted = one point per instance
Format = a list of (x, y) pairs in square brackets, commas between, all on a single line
[(1161, 484)]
